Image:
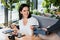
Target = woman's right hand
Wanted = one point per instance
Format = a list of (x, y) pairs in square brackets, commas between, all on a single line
[(14, 32)]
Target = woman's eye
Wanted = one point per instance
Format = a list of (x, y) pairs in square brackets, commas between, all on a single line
[(24, 10)]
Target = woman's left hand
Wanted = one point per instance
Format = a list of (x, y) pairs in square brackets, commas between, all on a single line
[(32, 28)]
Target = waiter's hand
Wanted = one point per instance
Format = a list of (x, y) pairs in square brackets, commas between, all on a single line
[(45, 29)]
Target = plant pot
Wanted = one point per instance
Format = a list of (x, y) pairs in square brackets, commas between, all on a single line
[(58, 14)]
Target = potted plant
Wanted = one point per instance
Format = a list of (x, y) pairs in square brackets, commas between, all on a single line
[(46, 5), (56, 3), (9, 5)]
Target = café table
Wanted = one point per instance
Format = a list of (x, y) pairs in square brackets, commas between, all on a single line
[(29, 38)]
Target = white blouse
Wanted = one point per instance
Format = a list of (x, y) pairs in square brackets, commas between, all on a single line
[(25, 29)]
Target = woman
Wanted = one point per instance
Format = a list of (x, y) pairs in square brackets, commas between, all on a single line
[(26, 22)]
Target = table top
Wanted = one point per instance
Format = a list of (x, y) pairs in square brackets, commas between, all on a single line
[(29, 38), (3, 36)]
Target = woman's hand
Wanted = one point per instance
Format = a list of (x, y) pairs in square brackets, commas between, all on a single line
[(32, 27), (14, 32)]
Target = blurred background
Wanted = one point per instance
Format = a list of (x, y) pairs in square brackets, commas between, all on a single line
[(9, 9)]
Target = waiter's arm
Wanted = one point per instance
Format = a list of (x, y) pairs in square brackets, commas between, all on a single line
[(54, 27)]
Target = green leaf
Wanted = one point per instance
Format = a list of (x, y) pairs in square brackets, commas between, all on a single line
[(15, 1), (9, 3), (5, 4)]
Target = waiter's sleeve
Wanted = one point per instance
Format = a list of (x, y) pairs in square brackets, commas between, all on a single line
[(54, 27)]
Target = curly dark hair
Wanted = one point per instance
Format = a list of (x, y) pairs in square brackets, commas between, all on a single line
[(20, 9)]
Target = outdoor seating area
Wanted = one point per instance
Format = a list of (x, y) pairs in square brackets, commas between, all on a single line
[(29, 19)]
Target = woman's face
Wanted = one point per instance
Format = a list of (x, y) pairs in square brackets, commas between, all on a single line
[(25, 12)]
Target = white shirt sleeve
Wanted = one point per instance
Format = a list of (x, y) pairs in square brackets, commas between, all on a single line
[(34, 21)]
